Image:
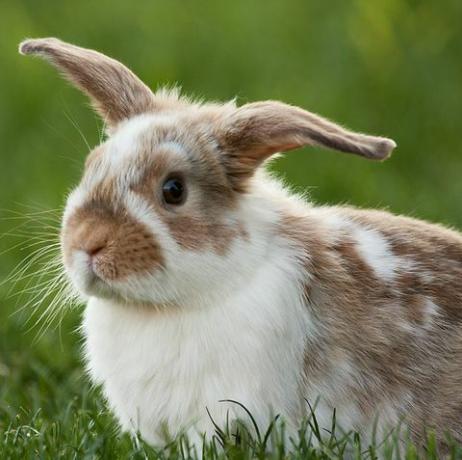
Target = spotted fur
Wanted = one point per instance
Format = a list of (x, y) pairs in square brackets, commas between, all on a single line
[(245, 291)]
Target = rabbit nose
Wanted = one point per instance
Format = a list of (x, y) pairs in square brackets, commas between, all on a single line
[(95, 249), (92, 237), (94, 245)]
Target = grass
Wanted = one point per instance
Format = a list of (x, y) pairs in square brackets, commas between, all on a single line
[(67, 419)]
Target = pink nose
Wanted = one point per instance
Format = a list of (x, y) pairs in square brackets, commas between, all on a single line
[(92, 236), (94, 244), (94, 249)]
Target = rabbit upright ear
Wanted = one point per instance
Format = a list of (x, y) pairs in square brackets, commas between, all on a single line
[(257, 130), (115, 91)]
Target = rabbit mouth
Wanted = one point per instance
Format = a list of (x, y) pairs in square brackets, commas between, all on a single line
[(92, 284), (96, 275), (87, 275), (96, 286)]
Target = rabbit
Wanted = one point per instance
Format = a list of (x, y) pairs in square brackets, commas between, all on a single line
[(206, 281)]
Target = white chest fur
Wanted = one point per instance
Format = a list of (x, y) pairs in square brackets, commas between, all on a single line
[(160, 371)]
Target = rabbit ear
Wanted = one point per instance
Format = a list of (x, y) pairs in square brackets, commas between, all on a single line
[(115, 91), (256, 131)]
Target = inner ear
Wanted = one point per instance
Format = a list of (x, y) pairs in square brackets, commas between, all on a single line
[(114, 90), (255, 131)]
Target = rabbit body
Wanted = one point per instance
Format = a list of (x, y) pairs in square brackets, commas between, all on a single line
[(207, 281)]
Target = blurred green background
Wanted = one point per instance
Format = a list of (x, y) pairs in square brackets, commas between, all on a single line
[(389, 67)]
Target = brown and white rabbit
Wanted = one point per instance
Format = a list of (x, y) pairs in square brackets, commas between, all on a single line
[(207, 280)]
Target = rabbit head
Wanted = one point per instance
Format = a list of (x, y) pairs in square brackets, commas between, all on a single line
[(157, 216)]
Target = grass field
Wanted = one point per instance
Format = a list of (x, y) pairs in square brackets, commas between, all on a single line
[(388, 67)]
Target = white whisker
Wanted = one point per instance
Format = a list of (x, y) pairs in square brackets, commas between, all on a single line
[(39, 277)]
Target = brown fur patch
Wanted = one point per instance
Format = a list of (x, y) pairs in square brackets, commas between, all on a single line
[(195, 234), (359, 317), (124, 246), (436, 250)]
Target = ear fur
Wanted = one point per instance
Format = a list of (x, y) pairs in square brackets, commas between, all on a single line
[(258, 130), (115, 91)]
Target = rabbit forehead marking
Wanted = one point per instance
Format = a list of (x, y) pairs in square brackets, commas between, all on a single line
[(122, 154), (135, 150), (140, 135)]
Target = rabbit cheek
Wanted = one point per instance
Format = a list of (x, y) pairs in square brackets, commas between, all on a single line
[(197, 234), (133, 252)]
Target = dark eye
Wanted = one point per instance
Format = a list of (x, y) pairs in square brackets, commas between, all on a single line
[(173, 191)]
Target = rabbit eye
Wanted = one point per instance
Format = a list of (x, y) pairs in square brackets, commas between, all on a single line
[(173, 191)]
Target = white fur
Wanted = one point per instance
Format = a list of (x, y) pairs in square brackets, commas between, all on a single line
[(124, 144), (376, 252)]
